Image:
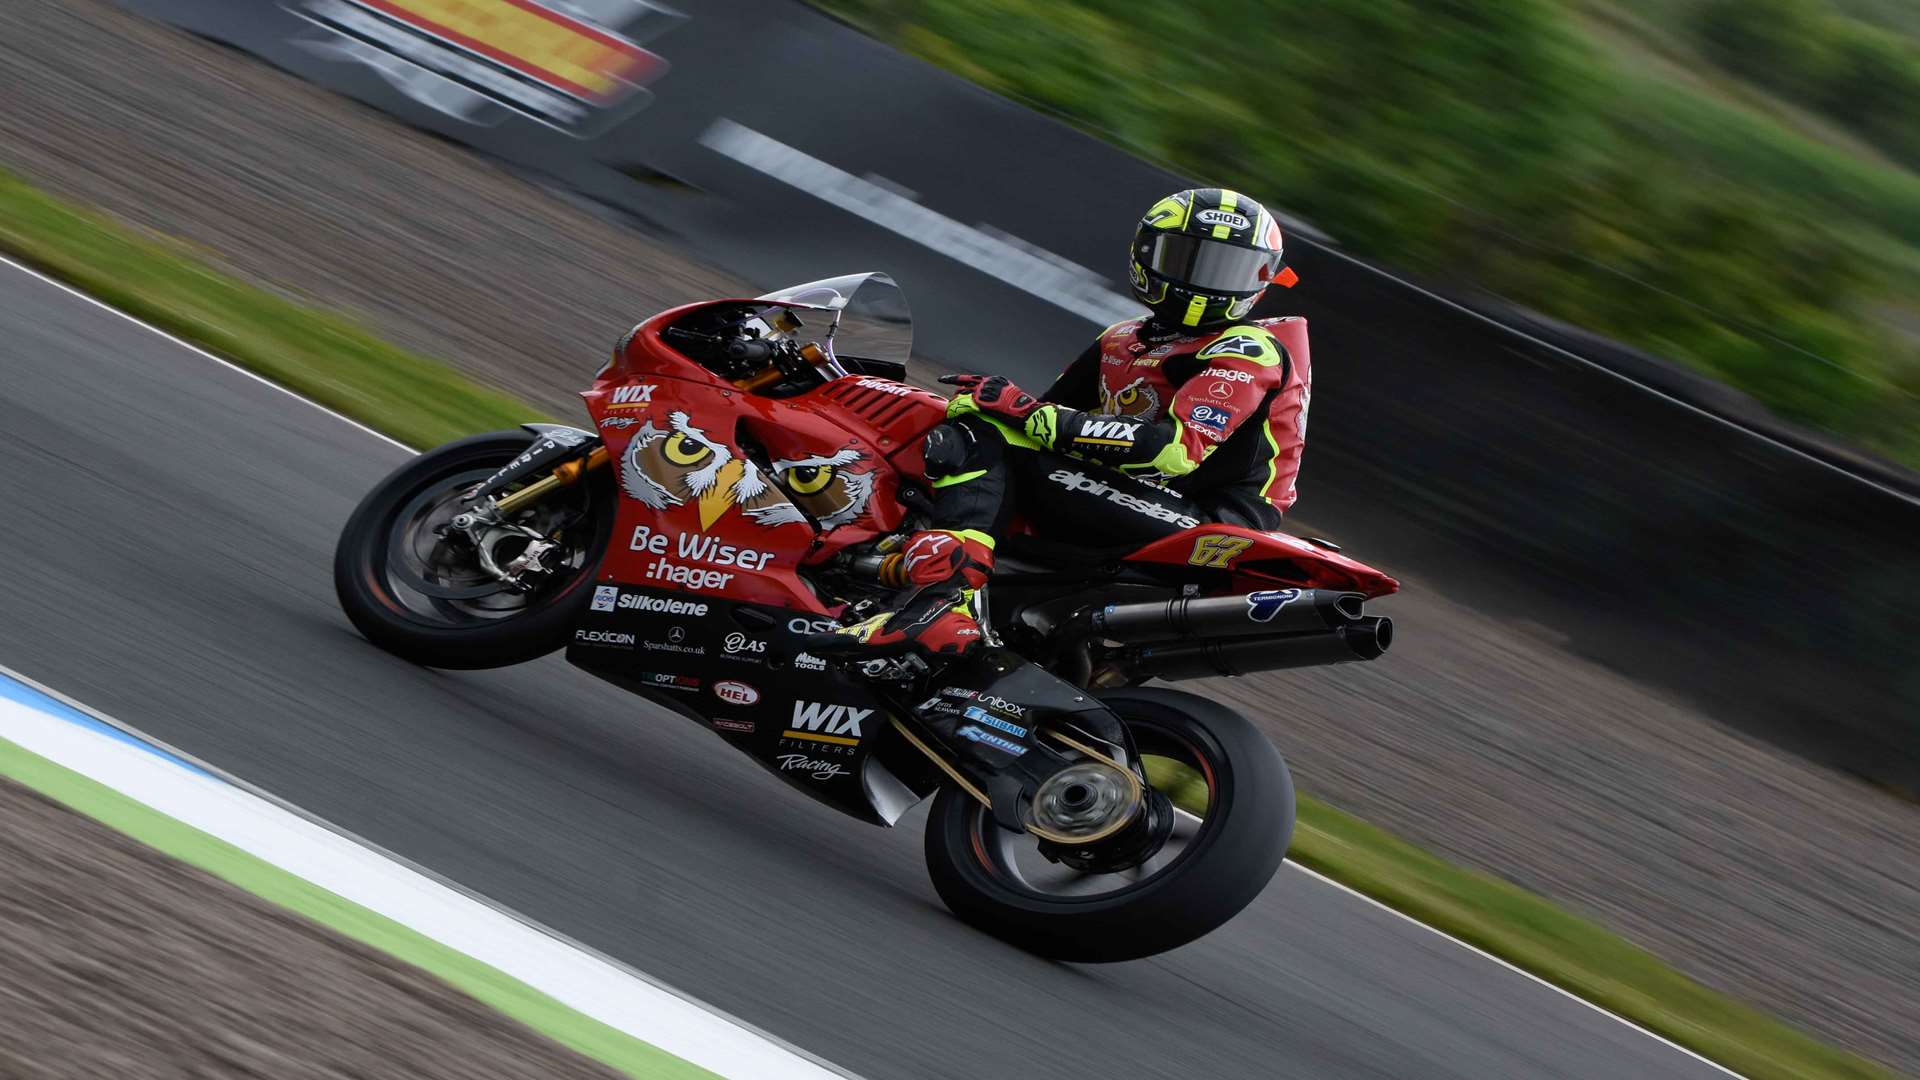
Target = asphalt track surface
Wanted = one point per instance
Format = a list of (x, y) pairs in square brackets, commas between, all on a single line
[(167, 553)]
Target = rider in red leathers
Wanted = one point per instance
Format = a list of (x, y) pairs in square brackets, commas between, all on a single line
[(1186, 415)]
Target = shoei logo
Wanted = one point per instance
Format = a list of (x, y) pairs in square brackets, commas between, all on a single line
[(736, 693), (1263, 606), (1223, 217)]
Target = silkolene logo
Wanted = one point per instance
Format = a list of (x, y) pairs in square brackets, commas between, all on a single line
[(659, 605), (736, 693)]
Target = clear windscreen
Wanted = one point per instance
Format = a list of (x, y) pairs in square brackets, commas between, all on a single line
[(870, 318)]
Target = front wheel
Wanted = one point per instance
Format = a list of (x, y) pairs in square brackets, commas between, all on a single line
[(1233, 818), (418, 589)]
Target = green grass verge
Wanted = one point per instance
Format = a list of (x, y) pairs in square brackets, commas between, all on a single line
[(418, 401), (485, 984), (319, 354)]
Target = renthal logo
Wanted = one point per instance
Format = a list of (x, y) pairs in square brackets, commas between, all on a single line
[(1077, 481), (638, 396), (643, 602)]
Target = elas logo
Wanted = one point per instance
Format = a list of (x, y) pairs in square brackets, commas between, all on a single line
[(817, 722), (632, 397)]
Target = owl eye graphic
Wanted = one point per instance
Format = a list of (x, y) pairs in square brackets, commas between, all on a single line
[(808, 479), (683, 449), (827, 487), (1134, 399), (681, 464)]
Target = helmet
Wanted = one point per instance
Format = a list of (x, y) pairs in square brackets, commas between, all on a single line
[(1201, 257)]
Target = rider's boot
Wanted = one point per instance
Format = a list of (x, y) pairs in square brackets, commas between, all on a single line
[(942, 571)]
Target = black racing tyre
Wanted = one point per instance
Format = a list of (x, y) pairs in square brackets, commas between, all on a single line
[(996, 881), (427, 600)]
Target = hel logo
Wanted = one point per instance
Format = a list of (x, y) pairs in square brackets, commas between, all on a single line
[(736, 693), (1217, 552), (1263, 606), (827, 723), (638, 396), (1108, 432)]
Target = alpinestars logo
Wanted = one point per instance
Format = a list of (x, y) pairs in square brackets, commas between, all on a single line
[(1245, 345), (1078, 481)]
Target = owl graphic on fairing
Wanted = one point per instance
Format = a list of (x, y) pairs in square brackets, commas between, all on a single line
[(827, 487), (1134, 399), (680, 464)]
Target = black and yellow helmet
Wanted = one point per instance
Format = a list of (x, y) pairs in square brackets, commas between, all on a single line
[(1203, 256)]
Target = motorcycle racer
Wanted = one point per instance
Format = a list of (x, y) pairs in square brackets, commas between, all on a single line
[(1189, 414)]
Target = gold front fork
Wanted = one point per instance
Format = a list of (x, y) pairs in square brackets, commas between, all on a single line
[(565, 474)]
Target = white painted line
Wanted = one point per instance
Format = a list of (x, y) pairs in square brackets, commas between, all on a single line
[(1398, 914), (586, 983)]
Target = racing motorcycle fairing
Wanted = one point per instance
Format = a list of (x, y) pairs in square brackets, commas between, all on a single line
[(1258, 559)]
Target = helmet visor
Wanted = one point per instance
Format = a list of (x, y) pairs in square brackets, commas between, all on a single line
[(1210, 266)]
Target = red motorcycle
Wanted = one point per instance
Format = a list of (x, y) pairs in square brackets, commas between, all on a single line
[(752, 466)]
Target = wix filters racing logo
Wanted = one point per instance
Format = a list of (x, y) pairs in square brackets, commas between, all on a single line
[(574, 65)]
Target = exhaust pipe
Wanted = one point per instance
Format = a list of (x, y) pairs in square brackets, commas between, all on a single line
[(1260, 614), (1363, 638)]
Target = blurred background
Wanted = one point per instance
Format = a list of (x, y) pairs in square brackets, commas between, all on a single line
[(1614, 311)]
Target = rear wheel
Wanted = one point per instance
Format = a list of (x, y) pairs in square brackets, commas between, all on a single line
[(417, 588), (1232, 805)]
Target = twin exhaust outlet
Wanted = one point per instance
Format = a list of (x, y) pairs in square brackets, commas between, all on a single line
[(1193, 638)]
